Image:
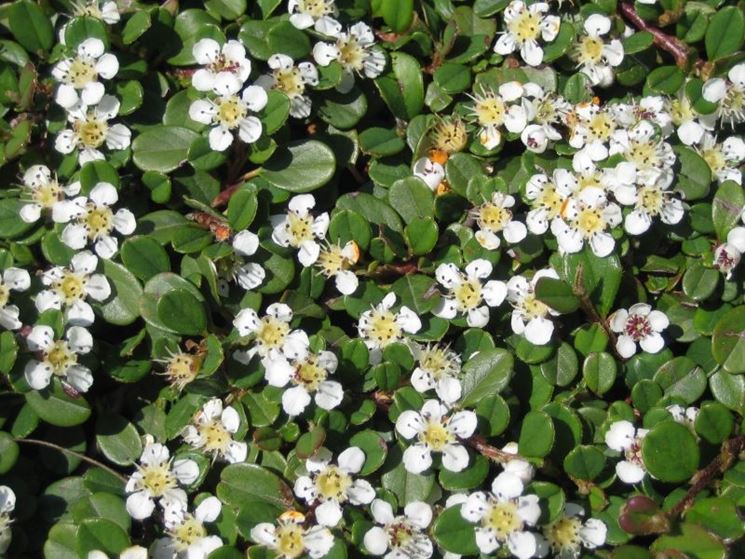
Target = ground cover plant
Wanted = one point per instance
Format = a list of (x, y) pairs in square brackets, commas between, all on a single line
[(358, 278)]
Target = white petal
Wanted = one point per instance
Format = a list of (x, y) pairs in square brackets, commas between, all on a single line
[(455, 457), (417, 458), (328, 513), (140, 505), (376, 540), (419, 514), (629, 473), (295, 400), (220, 138), (351, 460)]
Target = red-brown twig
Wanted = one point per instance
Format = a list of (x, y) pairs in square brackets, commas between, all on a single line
[(666, 42)]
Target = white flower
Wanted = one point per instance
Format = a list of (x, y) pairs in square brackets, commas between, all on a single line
[(639, 324), (105, 10), (494, 216), (329, 486), (467, 294), (640, 146), (686, 416), (592, 126), (545, 110), (93, 221), (289, 539), (69, 287), (272, 337), (521, 468), (594, 56), (212, 431), (724, 158), (547, 197), (43, 193), (529, 315), (314, 13), (404, 535), (494, 111), (729, 93), (380, 326), (300, 230), (649, 200), (335, 261), (435, 431), (431, 172), (79, 75), (13, 279), (228, 113), (91, 130), (226, 67), (181, 368), (7, 505), (566, 535), (133, 552), (248, 275), (309, 377), (623, 437), (503, 516), (523, 26), (355, 50), (689, 124), (58, 358), (186, 535), (586, 218), (728, 254), (292, 81), (438, 368), (157, 478)]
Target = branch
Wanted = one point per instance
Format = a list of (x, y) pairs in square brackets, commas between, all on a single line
[(224, 197), (82, 457), (673, 45)]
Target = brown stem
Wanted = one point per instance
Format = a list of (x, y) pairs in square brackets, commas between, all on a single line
[(731, 449), (673, 45), (492, 452), (82, 457), (224, 197)]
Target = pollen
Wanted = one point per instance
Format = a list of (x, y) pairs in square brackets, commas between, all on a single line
[(4, 294), (289, 82), (310, 374), (91, 131), (81, 73), (551, 200), (533, 308), (489, 110), (181, 369), (46, 195), (590, 221), (158, 479), (468, 294), (525, 27), (715, 158), (332, 484), (299, 228), (502, 519), (651, 199), (272, 332), (601, 126), (450, 135), (214, 436), (98, 221), (563, 535), (71, 287), (436, 436), (589, 50), (383, 328), (188, 533), (351, 54), (230, 111), (315, 8), (60, 357), (290, 540), (439, 362), (492, 217), (637, 327), (644, 154)]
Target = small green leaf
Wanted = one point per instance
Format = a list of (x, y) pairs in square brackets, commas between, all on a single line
[(301, 166), (182, 312), (725, 33), (488, 372), (670, 452)]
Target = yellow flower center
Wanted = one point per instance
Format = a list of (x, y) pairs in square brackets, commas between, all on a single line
[(436, 436), (643, 154), (310, 374), (502, 519), (589, 180), (90, 9), (734, 101), (489, 110), (332, 484), (400, 534), (4, 294), (216, 437), (189, 532), (551, 200), (439, 362), (651, 199), (715, 158), (299, 228), (546, 112), (99, 220), (289, 82), (71, 287), (331, 261), (314, 8), (181, 369), (81, 73), (157, 478), (351, 54), (230, 111), (60, 357), (450, 135), (272, 332), (563, 535), (525, 27), (601, 126), (91, 132), (468, 294), (290, 540), (533, 308), (383, 328), (590, 50), (493, 218), (681, 111), (590, 221), (46, 195)]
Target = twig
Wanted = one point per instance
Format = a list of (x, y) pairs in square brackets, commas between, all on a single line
[(666, 42), (82, 457), (492, 452), (224, 197)]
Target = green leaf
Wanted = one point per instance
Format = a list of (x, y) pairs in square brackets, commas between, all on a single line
[(488, 372), (124, 306), (599, 372), (82, 28), (665, 79), (411, 198), (537, 434), (136, 26), (714, 422), (380, 142), (118, 439), (561, 369), (8, 452), (584, 462), (637, 42), (8, 351), (718, 515), (182, 312), (348, 225), (454, 533), (421, 235), (670, 452), (144, 257), (600, 277), (11, 224), (726, 208), (227, 9), (371, 208), (397, 14), (402, 88), (162, 148), (468, 478), (242, 484), (725, 33), (694, 541), (374, 448), (284, 38), (557, 294), (300, 166), (453, 78), (101, 534), (407, 487), (694, 177), (728, 341), (55, 407), (30, 26)]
